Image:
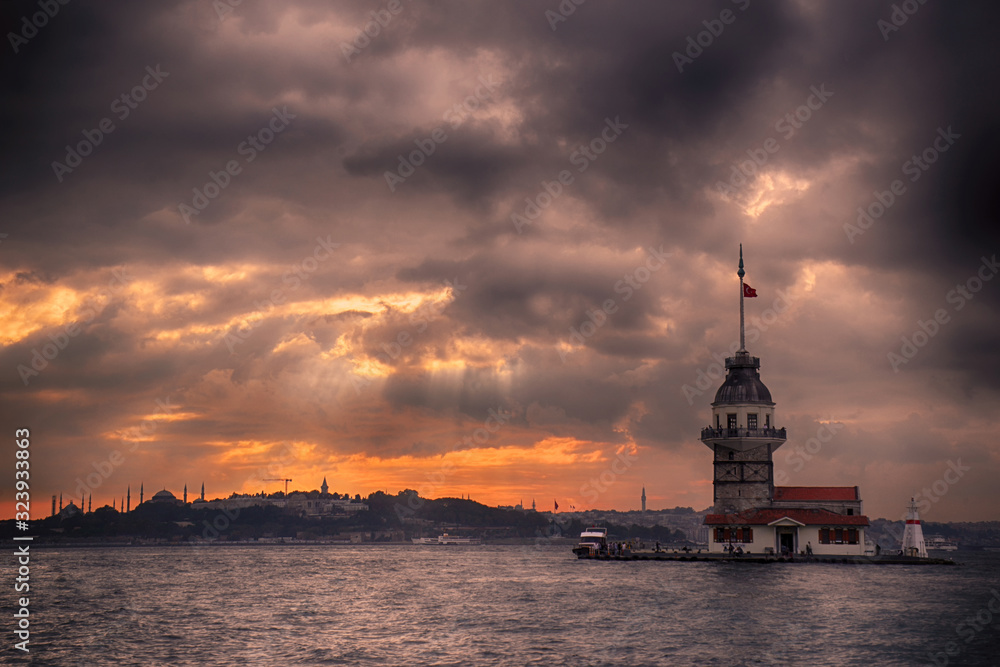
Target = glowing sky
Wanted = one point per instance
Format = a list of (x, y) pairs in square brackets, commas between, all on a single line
[(485, 251)]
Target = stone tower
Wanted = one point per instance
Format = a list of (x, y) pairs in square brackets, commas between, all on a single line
[(743, 436)]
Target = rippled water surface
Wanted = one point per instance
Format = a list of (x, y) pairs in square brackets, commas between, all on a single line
[(497, 605)]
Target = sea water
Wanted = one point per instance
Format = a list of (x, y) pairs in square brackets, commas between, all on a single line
[(496, 605)]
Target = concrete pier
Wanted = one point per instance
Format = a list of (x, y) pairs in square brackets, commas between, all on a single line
[(881, 559)]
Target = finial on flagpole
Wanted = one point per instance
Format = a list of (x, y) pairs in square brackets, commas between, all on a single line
[(741, 272)]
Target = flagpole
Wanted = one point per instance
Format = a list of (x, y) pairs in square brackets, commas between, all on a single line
[(741, 273)]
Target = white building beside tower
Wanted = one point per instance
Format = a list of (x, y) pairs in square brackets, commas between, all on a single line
[(749, 510)]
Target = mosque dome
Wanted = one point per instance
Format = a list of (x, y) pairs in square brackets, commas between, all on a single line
[(743, 383), (163, 496)]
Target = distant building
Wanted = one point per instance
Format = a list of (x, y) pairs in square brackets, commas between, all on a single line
[(749, 511), (70, 510), (164, 497)]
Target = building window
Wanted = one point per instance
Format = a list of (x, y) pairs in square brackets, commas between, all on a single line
[(743, 534), (752, 422), (716, 421), (850, 511), (732, 455), (732, 420), (838, 536), (767, 421)]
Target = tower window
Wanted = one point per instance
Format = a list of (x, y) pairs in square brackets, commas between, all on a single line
[(752, 422), (767, 421), (717, 425), (731, 418)]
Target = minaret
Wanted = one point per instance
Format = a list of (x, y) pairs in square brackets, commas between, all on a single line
[(644, 499), (324, 488), (913, 534), (90, 503), (129, 492), (203, 490), (53, 504), (114, 506), (742, 436), (185, 494), (140, 493), (60, 502)]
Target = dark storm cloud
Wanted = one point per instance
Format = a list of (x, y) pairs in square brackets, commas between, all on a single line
[(556, 90)]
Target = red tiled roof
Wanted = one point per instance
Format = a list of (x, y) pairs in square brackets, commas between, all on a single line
[(816, 493), (763, 517)]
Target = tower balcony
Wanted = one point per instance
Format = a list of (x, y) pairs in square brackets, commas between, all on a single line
[(743, 439)]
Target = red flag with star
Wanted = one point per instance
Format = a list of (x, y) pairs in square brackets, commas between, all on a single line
[(748, 291)]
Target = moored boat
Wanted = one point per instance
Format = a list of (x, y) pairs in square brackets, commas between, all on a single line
[(593, 540)]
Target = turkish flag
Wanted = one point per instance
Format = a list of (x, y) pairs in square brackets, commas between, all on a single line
[(748, 291)]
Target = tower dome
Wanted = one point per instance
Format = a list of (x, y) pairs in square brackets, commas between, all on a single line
[(743, 383)]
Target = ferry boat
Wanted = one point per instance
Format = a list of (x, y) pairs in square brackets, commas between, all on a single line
[(445, 538), (939, 543), (593, 540)]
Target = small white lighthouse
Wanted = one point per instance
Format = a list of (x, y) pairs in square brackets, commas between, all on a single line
[(913, 534)]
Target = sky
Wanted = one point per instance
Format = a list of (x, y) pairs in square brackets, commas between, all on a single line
[(489, 249)]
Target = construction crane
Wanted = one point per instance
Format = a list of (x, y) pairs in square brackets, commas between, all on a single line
[(286, 481)]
